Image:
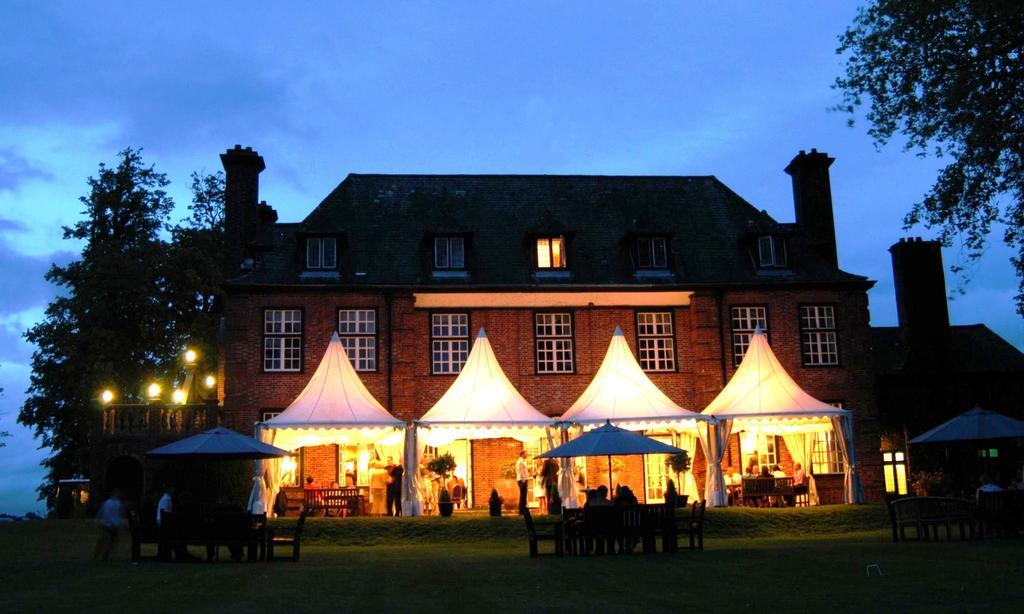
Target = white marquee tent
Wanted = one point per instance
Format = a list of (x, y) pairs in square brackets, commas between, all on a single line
[(622, 393), (762, 397), (334, 408), (480, 404)]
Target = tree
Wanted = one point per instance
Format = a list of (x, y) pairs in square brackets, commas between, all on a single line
[(195, 269), (948, 75), (109, 326)]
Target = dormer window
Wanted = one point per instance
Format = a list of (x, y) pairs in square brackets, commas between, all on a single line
[(651, 253), (551, 253), (321, 253), (771, 252), (449, 253)]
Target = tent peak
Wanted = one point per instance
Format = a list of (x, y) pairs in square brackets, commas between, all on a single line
[(482, 334), (335, 337), (618, 332), (758, 330)]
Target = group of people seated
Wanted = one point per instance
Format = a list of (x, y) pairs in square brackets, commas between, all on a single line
[(734, 482)]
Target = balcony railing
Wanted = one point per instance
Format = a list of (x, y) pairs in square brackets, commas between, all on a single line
[(158, 421)]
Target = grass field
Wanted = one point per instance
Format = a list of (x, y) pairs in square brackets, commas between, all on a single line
[(754, 560)]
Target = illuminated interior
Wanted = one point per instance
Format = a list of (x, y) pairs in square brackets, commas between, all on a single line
[(551, 253)]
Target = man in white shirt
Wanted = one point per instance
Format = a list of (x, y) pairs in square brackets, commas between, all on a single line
[(522, 478), (111, 517), (166, 503)]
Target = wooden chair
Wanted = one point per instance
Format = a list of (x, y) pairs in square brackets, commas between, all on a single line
[(142, 534), (276, 539), (572, 529), (696, 526), (548, 531)]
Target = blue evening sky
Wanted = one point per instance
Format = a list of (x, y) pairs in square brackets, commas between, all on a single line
[(732, 89)]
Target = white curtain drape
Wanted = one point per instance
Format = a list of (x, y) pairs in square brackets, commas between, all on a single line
[(688, 485), (714, 439), (411, 480), (384, 452), (566, 483), (269, 469), (258, 497), (801, 448), (842, 427)]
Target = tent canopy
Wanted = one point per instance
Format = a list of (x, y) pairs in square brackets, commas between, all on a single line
[(218, 443), (482, 403), (622, 393), (762, 391), (334, 407), (975, 424)]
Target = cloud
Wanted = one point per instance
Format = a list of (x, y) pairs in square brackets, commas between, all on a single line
[(22, 285), (14, 171), (12, 226)]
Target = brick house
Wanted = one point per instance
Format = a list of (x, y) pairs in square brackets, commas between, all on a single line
[(406, 268)]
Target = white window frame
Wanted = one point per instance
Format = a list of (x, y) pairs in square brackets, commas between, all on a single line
[(744, 320), (767, 450), (545, 253), (282, 340), (449, 247), (656, 341), (321, 253), (656, 473), (449, 342), (825, 455), (819, 339), (772, 252), (553, 335), (652, 253), (357, 329)]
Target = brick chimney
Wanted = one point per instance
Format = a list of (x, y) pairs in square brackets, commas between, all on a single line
[(812, 199), (242, 168), (921, 296)]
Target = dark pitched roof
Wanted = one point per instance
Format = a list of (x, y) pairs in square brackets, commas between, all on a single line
[(973, 348), (385, 223)]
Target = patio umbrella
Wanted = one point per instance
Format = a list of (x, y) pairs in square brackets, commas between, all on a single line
[(218, 444), (975, 424), (223, 444), (610, 440)]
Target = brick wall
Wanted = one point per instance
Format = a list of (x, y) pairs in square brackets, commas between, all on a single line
[(703, 345)]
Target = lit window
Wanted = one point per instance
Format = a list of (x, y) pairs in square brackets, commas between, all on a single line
[(449, 342), (553, 333), (449, 253), (818, 339), (894, 467), (657, 473), (651, 253), (551, 253), (321, 253), (768, 450), (771, 252), (825, 456), (282, 340), (745, 320), (358, 331), (656, 344)]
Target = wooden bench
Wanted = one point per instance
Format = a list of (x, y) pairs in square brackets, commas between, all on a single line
[(773, 490), (334, 501), (926, 515), (211, 531), (695, 528), (544, 531)]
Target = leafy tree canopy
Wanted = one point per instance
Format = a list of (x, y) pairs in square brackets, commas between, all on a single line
[(948, 75), (124, 309)]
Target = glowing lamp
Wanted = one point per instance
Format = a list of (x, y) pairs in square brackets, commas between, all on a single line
[(107, 396), (210, 381), (153, 391), (178, 396), (190, 357)]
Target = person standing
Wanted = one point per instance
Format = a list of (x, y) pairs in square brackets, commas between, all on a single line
[(395, 490), (523, 479), (111, 519)]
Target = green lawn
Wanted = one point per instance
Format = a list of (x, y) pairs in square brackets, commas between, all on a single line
[(815, 561)]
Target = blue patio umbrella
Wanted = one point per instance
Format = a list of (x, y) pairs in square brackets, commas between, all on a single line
[(609, 440), (218, 444), (975, 424)]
